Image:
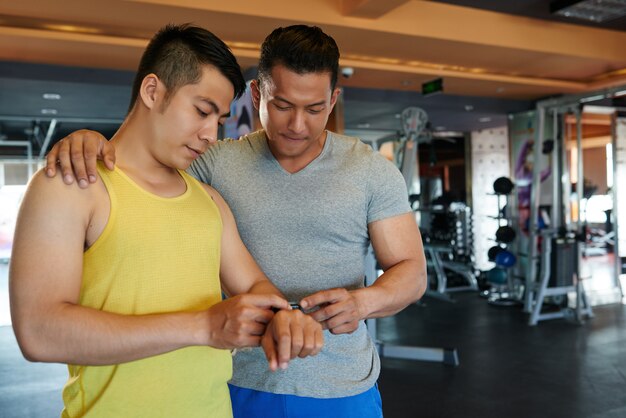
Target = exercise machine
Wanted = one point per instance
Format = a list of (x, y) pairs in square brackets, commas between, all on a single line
[(413, 122)]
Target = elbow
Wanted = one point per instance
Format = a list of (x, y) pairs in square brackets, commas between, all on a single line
[(29, 351), (31, 347), (421, 283)]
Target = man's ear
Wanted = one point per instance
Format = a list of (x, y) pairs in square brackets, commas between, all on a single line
[(255, 89), (150, 90), (334, 97)]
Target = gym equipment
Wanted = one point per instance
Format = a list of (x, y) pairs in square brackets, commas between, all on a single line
[(502, 291), (448, 248), (505, 258), (497, 276), (551, 272), (562, 286), (505, 234), (547, 146), (493, 252), (502, 185), (413, 123)]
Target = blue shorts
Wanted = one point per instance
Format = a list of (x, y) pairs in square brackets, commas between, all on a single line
[(249, 403)]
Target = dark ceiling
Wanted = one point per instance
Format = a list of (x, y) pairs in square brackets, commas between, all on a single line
[(536, 9)]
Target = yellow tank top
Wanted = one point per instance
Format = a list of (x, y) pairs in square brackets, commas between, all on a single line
[(155, 255)]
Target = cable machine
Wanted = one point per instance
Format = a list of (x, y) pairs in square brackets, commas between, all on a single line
[(555, 270), (413, 123)]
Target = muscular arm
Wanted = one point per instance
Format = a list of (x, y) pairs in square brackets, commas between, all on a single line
[(399, 250), (45, 279)]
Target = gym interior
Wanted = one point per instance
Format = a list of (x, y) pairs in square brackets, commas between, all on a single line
[(508, 123)]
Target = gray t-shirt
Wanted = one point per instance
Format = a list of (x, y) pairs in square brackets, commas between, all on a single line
[(308, 232)]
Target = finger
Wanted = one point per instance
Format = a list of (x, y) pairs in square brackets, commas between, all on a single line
[(284, 346), (255, 328), (263, 316), (66, 162), (308, 344), (90, 153), (78, 163), (297, 338), (348, 328), (108, 153), (327, 312), (51, 162), (339, 320), (314, 341), (319, 298), (266, 301), (270, 352), (319, 342)]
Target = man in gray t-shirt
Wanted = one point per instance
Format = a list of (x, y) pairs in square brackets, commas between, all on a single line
[(308, 202)]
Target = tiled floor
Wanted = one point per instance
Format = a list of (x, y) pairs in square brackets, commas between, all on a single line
[(508, 369)]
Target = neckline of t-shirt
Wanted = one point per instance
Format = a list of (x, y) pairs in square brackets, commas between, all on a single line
[(308, 167), (135, 185)]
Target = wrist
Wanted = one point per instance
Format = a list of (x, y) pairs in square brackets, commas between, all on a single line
[(366, 301), (201, 333)]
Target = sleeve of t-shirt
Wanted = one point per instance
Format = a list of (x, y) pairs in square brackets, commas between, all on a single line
[(388, 195)]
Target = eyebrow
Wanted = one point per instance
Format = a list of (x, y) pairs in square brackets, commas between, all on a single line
[(215, 107), (320, 103)]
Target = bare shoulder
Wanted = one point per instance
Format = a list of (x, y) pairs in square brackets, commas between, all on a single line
[(52, 193)]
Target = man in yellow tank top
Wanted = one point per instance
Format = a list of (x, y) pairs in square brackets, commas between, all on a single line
[(123, 281)]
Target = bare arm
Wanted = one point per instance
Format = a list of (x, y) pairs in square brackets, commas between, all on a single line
[(77, 154), (399, 250), (45, 279)]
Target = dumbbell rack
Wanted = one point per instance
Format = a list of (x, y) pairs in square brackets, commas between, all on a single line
[(449, 248), (501, 295)]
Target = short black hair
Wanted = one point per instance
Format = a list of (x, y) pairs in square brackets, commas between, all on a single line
[(300, 48), (177, 52)]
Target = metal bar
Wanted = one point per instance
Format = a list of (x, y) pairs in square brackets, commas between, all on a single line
[(46, 142), (566, 181), (66, 120), (535, 194), (583, 97), (543, 282), (579, 169), (557, 206), (617, 145)]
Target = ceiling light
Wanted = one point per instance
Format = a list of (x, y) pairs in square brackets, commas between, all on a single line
[(71, 28), (406, 83), (591, 10), (598, 110), (51, 96), (500, 90), (469, 108), (49, 111), (485, 119), (440, 128), (592, 98)]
